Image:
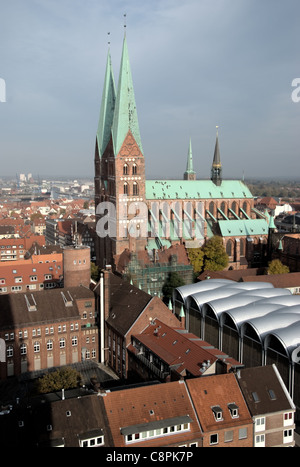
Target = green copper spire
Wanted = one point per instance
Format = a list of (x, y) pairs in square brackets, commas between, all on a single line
[(107, 108), (125, 116), (190, 174)]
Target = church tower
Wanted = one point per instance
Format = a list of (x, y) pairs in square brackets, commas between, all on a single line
[(190, 174), (216, 170), (120, 177)]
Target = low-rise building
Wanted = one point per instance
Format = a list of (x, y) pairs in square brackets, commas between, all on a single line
[(167, 354), (222, 411), (45, 329), (270, 405)]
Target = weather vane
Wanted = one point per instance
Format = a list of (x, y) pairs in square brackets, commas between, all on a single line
[(108, 35), (124, 20)]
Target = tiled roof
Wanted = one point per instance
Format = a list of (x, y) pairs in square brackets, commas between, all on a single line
[(291, 279), (127, 409), (264, 390), (218, 391), (45, 306), (126, 303), (184, 351)]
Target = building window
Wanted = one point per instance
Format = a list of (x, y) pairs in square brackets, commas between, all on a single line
[(50, 345), (92, 442), (134, 169), (234, 410), (62, 342), (288, 418), (125, 169), (169, 430), (288, 436), (260, 424), (10, 351), (23, 349), (74, 341), (125, 189), (259, 440), (218, 413), (243, 433), (36, 347), (214, 439), (135, 189), (228, 436)]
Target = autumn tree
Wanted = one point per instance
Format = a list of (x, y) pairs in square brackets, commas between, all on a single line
[(196, 257), (62, 378), (215, 256), (276, 267)]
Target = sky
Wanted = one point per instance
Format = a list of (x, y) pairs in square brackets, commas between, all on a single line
[(196, 64)]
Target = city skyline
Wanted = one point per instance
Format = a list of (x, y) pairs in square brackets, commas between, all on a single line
[(195, 66)]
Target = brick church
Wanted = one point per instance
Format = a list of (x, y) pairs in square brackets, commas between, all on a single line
[(148, 224)]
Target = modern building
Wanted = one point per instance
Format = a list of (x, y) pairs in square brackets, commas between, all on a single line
[(254, 322)]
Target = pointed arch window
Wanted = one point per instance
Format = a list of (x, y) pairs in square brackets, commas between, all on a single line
[(134, 169), (125, 169), (135, 188), (125, 189), (229, 248)]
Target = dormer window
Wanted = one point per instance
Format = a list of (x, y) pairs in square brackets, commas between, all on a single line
[(218, 413), (234, 410)]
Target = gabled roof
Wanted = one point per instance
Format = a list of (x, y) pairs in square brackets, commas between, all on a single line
[(264, 390), (125, 114), (46, 306), (183, 351), (196, 189), (126, 303), (140, 409), (218, 391), (243, 227)]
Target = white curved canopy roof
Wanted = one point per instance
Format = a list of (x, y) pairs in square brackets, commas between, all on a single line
[(244, 298), (276, 319), (288, 336), (186, 290), (246, 313)]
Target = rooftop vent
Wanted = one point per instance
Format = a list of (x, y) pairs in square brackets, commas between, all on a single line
[(30, 302)]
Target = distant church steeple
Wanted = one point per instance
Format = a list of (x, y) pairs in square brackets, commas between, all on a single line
[(190, 174), (216, 170)]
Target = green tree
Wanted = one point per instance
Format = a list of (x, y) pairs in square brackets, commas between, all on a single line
[(196, 257), (174, 280), (62, 378), (215, 256), (95, 273), (276, 267)]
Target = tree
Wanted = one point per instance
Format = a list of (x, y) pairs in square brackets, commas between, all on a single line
[(95, 273), (62, 378), (276, 267), (174, 280), (196, 257), (215, 256)]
